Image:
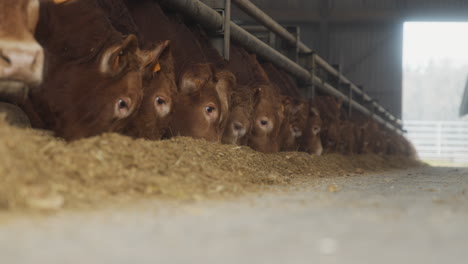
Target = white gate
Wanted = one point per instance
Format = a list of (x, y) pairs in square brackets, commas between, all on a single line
[(444, 141)]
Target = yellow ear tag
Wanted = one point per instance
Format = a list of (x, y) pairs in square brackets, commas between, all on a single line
[(157, 67)]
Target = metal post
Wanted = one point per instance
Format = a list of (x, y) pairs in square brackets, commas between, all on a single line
[(221, 39), (308, 61), (350, 95), (293, 50), (271, 39), (439, 139)]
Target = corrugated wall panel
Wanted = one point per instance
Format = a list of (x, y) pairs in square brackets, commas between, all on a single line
[(371, 55)]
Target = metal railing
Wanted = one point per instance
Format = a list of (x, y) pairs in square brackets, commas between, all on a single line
[(443, 141), (261, 17), (213, 20)]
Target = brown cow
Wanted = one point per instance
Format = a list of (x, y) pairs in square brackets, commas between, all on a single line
[(329, 108), (267, 119), (312, 142), (21, 57), (159, 92), (245, 99), (240, 120), (297, 114), (294, 124), (93, 78), (152, 119), (371, 137), (347, 137), (281, 79), (202, 106), (267, 115)]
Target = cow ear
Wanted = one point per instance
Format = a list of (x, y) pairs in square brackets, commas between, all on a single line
[(151, 58), (286, 100), (256, 95), (339, 103), (286, 104), (314, 111), (226, 81), (117, 58), (194, 78)]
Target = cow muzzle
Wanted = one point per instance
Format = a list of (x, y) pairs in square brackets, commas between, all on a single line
[(21, 66)]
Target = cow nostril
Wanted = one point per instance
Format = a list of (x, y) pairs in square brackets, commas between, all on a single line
[(237, 126), (4, 58)]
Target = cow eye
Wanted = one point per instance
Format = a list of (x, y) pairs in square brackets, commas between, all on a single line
[(122, 108), (263, 122), (210, 109), (160, 100), (122, 104)]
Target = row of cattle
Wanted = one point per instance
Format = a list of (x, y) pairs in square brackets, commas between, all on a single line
[(134, 68)]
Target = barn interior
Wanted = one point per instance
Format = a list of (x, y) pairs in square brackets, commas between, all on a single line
[(397, 68)]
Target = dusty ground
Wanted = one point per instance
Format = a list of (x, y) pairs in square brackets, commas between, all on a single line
[(112, 199), (40, 172), (412, 216)]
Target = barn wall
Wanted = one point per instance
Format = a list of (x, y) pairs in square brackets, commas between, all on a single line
[(365, 36), (371, 56)]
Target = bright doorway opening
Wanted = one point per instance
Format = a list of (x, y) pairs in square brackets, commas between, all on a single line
[(435, 70)]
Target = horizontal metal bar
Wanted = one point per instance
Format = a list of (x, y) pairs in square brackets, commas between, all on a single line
[(210, 19)]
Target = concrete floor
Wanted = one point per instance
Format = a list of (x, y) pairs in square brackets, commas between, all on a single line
[(416, 216)]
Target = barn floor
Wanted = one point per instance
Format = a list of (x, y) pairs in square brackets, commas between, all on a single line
[(418, 215)]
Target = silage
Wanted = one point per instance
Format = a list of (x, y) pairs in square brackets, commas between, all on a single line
[(39, 171)]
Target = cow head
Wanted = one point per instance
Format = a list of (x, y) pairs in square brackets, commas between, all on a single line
[(294, 123), (21, 57), (159, 91), (239, 124), (312, 142), (347, 138), (93, 74), (267, 119), (95, 96), (202, 106)]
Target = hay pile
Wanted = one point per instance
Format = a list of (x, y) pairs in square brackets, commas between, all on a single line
[(42, 172)]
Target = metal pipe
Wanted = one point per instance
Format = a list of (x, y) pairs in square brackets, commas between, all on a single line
[(227, 29), (261, 17), (212, 20)]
